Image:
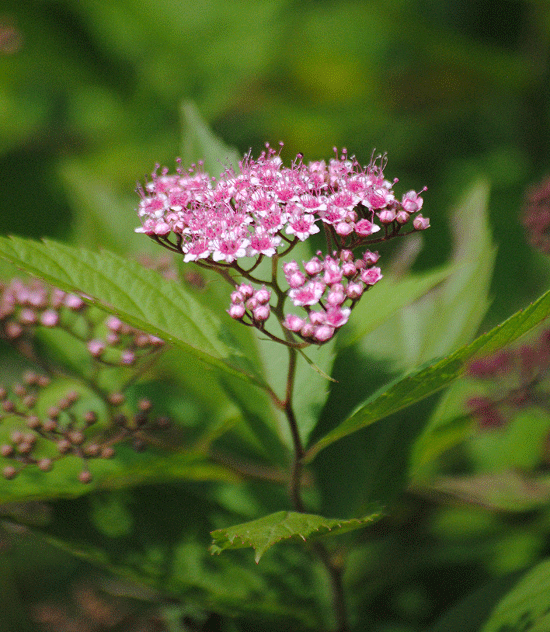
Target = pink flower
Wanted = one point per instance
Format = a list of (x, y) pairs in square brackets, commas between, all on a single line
[(309, 294)]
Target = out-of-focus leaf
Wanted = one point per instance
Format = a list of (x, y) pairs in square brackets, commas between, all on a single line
[(503, 491), (126, 469), (152, 535), (263, 533), (525, 607), (388, 297), (448, 314), (200, 143), (140, 297), (102, 219), (432, 378)]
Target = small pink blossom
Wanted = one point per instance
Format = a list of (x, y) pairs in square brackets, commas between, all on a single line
[(309, 294), (293, 322), (421, 223), (371, 276)]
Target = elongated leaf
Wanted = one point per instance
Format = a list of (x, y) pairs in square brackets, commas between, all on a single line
[(263, 533), (432, 378), (503, 491), (127, 469), (199, 143), (386, 299), (140, 297), (447, 314), (525, 607)]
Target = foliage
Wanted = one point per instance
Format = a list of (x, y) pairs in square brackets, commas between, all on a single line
[(419, 502)]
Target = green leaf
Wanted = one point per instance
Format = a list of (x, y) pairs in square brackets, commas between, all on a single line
[(199, 143), (139, 296), (156, 535), (448, 313), (126, 469), (525, 607), (387, 298), (502, 491), (429, 379), (263, 533)]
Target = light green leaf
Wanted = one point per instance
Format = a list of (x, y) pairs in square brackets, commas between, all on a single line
[(503, 491), (263, 533), (447, 314), (429, 379), (387, 298), (199, 143), (525, 607), (139, 296)]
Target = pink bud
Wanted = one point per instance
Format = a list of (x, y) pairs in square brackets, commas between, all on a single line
[(96, 347), (236, 311), (387, 216), (421, 223), (261, 312), (263, 295), (293, 322), (323, 333), (49, 318)]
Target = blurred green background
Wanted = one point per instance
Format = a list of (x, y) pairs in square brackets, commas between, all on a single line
[(451, 90)]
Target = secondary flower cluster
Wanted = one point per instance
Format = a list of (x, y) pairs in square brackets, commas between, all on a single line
[(516, 378), (42, 439), (25, 306), (264, 210)]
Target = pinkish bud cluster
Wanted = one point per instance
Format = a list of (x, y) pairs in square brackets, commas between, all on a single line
[(536, 216), (26, 305), (332, 285), (515, 379), (250, 305), (42, 439)]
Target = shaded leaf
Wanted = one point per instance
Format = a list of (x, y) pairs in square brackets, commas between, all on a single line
[(200, 143), (429, 379), (140, 297), (525, 607), (263, 533), (503, 491)]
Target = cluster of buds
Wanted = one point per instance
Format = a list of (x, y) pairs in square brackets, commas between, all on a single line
[(250, 305), (515, 378), (63, 431), (26, 306), (265, 210), (334, 284), (536, 216), (23, 306), (122, 344)]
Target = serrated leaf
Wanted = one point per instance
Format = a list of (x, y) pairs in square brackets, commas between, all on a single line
[(199, 143), (525, 607), (263, 533), (429, 379), (139, 296)]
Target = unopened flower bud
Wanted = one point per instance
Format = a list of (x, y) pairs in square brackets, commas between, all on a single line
[(293, 322), (96, 348), (421, 223), (263, 295), (386, 216), (323, 333), (261, 312), (237, 311), (49, 318)]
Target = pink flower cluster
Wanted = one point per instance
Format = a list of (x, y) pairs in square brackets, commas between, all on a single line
[(266, 209), (267, 206), (334, 284)]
